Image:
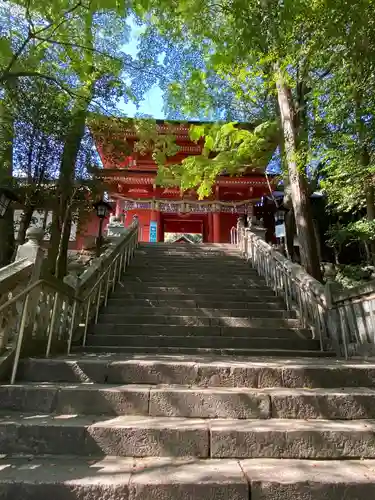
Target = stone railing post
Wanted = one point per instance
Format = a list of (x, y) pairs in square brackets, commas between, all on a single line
[(334, 321), (33, 251), (241, 235)]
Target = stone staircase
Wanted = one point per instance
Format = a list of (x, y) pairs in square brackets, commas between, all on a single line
[(197, 300), (195, 384)]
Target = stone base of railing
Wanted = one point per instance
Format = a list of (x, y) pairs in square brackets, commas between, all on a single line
[(366, 350), (6, 362)]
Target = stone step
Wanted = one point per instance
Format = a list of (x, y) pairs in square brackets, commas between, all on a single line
[(189, 402), (198, 252), (137, 436), (186, 338), (244, 274), (136, 287), (232, 296), (191, 262), (188, 259), (183, 255), (202, 351), (67, 478), (173, 247), (149, 311), (179, 270), (203, 371), (230, 324), (224, 257), (181, 267), (289, 479), (192, 281), (116, 478), (176, 264), (220, 252), (253, 303)]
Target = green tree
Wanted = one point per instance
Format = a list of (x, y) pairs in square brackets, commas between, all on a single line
[(269, 41), (77, 46), (40, 119), (6, 171), (44, 41)]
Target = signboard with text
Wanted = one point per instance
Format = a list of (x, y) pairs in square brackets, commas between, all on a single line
[(153, 232)]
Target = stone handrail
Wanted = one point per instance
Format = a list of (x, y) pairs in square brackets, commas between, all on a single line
[(87, 278), (44, 314), (14, 275), (341, 320), (353, 312), (290, 281)]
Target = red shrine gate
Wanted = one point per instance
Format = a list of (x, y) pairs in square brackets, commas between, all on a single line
[(212, 220), (160, 210)]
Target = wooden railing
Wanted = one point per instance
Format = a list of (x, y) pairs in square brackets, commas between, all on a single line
[(342, 320), (40, 315)]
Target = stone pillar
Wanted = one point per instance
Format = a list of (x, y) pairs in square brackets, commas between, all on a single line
[(32, 251)]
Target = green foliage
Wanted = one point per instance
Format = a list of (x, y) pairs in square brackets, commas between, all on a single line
[(361, 230), (45, 41), (350, 276), (227, 148)]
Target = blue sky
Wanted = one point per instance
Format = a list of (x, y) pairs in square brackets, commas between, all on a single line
[(151, 105), (153, 102)]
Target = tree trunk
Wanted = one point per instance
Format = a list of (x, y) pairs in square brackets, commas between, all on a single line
[(290, 232), (365, 162), (25, 221), (370, 212), (7, 242), (62, 217), (57, 260), (298, 183), (62, 254)]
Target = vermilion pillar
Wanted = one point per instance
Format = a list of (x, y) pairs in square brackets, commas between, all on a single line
[(209, 229), (216, 227), (155, 217), (119, 205), (160, 227), (216, 218)]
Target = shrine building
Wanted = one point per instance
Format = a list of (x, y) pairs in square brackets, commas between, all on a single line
[(132, 189)]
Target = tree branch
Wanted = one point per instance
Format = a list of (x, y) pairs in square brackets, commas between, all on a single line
[(33, 34), (17, 54), (76, 46), (64, 19)]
